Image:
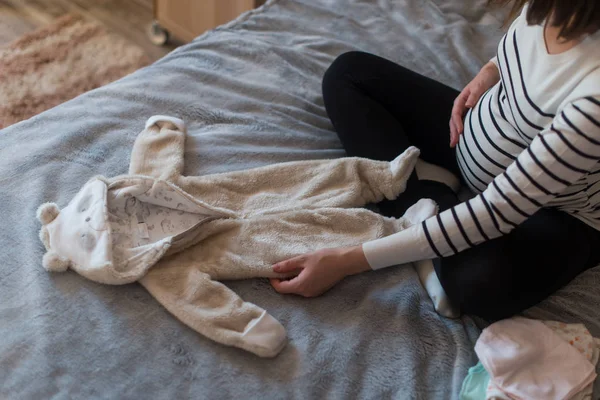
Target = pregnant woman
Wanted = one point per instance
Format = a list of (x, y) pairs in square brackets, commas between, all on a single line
[(524, 137)]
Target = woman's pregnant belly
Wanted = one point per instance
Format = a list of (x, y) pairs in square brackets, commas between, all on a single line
[(489, 143)]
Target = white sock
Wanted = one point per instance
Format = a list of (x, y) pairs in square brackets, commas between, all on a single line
[(432, 285), (430, 172)]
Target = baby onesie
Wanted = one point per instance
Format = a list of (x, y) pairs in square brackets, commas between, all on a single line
[(179, 235)]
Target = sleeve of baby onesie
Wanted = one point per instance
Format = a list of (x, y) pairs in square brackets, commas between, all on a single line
[(159, 149), (215, 311)]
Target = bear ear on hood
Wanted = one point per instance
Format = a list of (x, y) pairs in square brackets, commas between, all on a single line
[(53, 262), (47, 212)]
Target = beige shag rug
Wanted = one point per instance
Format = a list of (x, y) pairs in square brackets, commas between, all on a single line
[(52, 65)]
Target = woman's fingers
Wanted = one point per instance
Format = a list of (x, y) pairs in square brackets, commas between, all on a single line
[(457, 122), (453, 134), (290, 265), (459, 109), (456, 119), (456, 128), (317, 271), (298, 285), (284, 286)]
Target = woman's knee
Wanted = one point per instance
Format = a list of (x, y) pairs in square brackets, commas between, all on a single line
[(342, 69)]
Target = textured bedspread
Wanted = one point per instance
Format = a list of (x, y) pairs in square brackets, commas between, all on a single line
[(250, 92)]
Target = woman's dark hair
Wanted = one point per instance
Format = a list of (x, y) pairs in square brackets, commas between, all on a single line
[(574, 17)]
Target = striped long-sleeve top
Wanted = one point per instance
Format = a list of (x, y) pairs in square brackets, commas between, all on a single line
[(532, 141)]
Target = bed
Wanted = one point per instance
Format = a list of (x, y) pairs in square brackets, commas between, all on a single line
[(250, 93)]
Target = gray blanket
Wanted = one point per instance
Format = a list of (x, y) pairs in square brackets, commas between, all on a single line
[(250, 92)]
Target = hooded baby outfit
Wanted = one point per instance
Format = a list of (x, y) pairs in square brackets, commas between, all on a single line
[(179, 235)]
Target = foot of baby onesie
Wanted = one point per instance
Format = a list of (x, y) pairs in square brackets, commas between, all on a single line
[(265, 336), (402, 168), (432, 285), (420, 211)]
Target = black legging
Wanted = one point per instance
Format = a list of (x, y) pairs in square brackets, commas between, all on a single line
[(378, 109)]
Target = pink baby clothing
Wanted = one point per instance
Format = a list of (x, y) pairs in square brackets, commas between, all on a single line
[(527, 360), (578, 336)]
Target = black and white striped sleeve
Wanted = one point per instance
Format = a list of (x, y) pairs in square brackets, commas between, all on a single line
[(556, 158)]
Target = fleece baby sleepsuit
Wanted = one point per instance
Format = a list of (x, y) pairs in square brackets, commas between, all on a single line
[(178, 235)]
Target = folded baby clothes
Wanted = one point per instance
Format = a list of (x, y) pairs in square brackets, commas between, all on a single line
[(578, 336), (475, 385), (478, 386), (527, 360), (588, 391)]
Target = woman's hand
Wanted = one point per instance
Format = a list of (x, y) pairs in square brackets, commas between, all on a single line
[(319, 271), (485, 79)]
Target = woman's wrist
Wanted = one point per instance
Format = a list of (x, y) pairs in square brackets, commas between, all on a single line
[(492, 73), (353, 260)]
